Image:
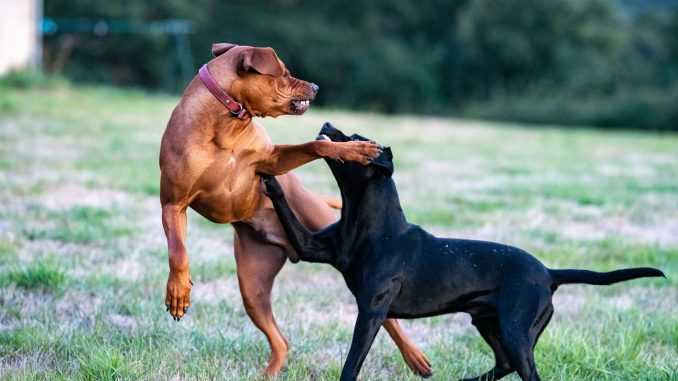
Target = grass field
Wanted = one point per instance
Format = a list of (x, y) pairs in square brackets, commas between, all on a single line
[(83, 257)]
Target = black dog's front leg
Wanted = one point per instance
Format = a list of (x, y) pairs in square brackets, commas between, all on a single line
[(311, 247), (372, 313)]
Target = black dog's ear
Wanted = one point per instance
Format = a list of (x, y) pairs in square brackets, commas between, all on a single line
[(221, 48), (385, 161)]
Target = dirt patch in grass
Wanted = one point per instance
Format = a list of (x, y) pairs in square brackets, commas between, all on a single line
[(128, 269), (150, 220), (123, 323), (662, 233), (79, 304), (571, 300), (215, 291), (66, 196)]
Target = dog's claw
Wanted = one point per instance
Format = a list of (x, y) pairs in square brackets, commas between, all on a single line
[(190, 281), (423, 374)]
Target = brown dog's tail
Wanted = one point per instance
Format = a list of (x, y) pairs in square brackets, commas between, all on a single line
[(332, 203), (593, 277)]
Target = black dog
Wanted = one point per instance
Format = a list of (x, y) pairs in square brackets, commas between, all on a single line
[(398, 270)]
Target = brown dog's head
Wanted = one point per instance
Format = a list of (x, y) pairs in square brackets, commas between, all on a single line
[(260, 81)]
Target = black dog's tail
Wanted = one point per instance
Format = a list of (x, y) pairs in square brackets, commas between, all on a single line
[(593, 277)]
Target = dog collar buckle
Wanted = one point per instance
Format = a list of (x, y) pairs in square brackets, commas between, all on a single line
[(240, 113)]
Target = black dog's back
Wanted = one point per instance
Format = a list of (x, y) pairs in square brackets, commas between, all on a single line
[(444, 275), (492, 262)]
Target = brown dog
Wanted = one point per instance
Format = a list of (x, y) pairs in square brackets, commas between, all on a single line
[(209, 159)]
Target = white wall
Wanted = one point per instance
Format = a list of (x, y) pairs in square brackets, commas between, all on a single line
[(20, 46)]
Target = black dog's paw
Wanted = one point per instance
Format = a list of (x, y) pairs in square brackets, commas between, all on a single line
[(273, 188)]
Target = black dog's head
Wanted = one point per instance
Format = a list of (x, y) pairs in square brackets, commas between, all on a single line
[(382, 165)]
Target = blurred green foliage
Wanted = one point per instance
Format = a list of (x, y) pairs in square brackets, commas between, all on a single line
[(601, 62)]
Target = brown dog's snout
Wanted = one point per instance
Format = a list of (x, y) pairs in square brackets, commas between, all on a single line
[(315, 88)]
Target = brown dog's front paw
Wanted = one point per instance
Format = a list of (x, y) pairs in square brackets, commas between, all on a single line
[(362, 152), (417, 361), (178, 295)]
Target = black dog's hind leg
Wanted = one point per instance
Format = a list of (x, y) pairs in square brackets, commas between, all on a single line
[(523, 317), (541, 323), (311, 247), (489, 330), (371, 315)]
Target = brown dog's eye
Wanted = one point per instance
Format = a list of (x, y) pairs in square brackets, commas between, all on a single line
[(286, 74)]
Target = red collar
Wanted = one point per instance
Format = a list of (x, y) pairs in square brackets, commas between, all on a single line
[(234, 107)]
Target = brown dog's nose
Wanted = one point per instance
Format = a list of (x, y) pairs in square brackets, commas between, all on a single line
[(315, 88)]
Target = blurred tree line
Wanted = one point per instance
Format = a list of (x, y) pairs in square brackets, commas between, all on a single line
[(610, 63)]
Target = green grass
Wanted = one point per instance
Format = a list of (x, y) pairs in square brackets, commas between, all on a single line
[(43, 275), (83, 259), (78, 224)]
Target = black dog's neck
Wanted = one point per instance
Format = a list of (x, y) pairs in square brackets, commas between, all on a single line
[(374, 205)]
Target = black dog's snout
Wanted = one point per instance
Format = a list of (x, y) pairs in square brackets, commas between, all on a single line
[(327, 129)]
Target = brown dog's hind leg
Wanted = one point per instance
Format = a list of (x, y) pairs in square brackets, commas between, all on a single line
[(258, 263), (413, 356)]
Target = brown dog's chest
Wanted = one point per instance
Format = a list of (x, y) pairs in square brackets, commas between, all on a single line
[(213, 170), (228, 189)]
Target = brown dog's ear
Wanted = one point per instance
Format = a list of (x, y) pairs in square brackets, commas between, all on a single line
[(260, 60), (221, 48)]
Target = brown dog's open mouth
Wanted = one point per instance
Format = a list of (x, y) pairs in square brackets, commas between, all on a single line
[(300, 106)]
